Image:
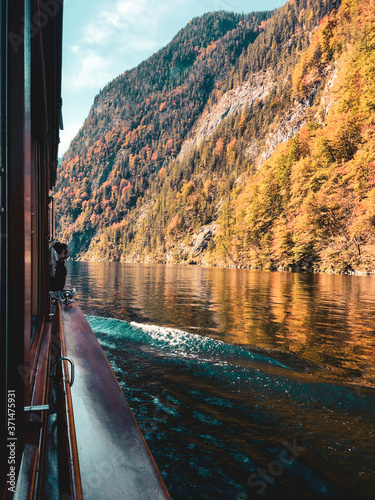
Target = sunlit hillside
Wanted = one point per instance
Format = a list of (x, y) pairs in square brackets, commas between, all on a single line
[(247, 141)]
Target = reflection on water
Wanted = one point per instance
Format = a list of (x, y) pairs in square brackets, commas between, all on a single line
[(327, 319), (245, 384), (218, 417)]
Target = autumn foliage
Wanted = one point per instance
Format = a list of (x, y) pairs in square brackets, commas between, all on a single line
[(236, 198)]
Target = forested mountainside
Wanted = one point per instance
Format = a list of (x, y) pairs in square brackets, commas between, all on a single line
[(247, 141)]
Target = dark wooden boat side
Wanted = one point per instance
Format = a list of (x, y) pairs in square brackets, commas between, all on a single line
[(65, 439), (114, 459)]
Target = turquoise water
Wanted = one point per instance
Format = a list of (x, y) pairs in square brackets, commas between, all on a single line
[(226, 417)]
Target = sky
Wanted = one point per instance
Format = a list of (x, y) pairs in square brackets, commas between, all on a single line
[(104, 38)]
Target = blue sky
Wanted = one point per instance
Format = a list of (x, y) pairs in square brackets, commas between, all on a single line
[(103, 38)]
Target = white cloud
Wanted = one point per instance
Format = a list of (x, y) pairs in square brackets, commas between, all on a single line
[(89, 70), (67, 134), (131, 10), (99, 31), (123, 23)]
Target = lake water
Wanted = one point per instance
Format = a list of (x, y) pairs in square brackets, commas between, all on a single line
[(246, 384)]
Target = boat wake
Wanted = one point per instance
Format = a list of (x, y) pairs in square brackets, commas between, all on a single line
[(225, 412), (176, 342)]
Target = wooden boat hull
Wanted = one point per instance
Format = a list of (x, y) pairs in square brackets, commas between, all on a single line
[(114, 460)]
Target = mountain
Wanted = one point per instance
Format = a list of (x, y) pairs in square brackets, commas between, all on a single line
[(138, 123), (247, 141)]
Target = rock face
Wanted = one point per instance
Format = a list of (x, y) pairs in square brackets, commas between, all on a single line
[(193, 251), (200, 241), (297, 115), (170, 163), (327, 100), (258, 88), (289, 126)]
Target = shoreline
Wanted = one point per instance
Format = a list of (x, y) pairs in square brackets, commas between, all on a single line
[(288, 269)]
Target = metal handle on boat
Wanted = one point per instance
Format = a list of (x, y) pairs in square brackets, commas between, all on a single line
[(64, 358)]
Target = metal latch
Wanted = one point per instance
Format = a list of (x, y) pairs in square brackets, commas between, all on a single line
[(53, 373)]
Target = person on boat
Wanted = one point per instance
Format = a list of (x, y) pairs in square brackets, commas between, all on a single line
[(59, 252)]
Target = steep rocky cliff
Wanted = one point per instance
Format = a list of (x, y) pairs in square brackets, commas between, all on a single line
[(248, 141)]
